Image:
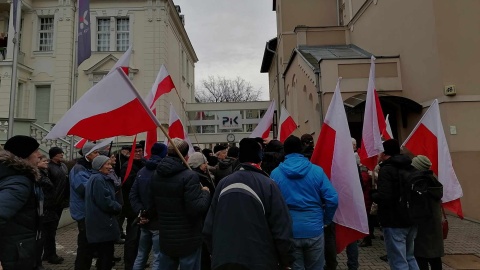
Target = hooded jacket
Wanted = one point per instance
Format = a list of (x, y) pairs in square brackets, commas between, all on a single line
[(79, 176), (19, 219), (180, 204), (388, 191), (306, 189), (248, 223), (223, 168)]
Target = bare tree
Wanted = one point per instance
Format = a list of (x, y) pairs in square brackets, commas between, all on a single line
[(221, 89)]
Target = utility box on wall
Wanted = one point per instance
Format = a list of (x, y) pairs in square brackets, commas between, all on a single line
[(450, 90)]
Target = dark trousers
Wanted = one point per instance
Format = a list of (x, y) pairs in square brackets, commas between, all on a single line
[(330, 248), (435, 263), (84, 249), (49, 232), (131, 244), (104, 252)]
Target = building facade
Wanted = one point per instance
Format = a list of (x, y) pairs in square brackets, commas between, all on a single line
[(154, 29), (425, 50)]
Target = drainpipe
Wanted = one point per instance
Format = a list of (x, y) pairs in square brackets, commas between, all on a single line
[(277, 77), (319, 93)]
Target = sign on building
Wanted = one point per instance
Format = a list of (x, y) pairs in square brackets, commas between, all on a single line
[(230, 119)]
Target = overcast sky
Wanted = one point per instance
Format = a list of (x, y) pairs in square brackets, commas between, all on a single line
[(229, 38)]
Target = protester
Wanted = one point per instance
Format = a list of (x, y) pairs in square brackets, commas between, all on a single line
[(399, 234), (133, 230), (140, 201), (429, 248), (79, 176), (212, 160), (306, 188), (19, 202), (58, 175), (180, 203), (100, 210), (248, 225), (272, 155), (122, 158), (307, 145)]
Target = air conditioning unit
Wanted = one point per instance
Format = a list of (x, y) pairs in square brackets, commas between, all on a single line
[(450, 90)]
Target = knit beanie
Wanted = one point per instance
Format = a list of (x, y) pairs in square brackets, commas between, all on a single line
[(180, 144), (159, 149), (292, 145), (250, 151), (21, 145), (196, 159), (421, 163), (54, 151), (87, 147), (391, 147), (99, 161)]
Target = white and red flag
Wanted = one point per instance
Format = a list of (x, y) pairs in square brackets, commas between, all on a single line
[(428, 139), (333, 152), (123, 62), (387, 133), (177, 130), (373, 124), (163, 84), (110, 108), (287, 125), (80, 143), (263, 128)]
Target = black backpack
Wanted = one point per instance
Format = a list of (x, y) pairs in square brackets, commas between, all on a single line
[(415, 201)]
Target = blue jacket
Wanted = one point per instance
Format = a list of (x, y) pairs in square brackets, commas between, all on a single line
[(79, 176), (101, 209), (140, 193), (310, 196)]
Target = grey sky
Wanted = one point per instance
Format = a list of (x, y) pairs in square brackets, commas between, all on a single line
[(229, 38)]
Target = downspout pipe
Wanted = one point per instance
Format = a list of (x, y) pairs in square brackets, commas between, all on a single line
[(319, 93)]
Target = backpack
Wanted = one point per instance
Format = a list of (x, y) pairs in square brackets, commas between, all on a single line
[(415, 201)]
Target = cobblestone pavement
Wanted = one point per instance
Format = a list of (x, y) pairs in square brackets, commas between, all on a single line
[(463, 238)]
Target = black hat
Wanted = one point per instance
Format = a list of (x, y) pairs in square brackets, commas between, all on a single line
[(292, 144), (306, 138), (21, 145), (125, 147), (233, 152), (250, 151), (218, 147), (159, 149), (391, 147), (55, 151)]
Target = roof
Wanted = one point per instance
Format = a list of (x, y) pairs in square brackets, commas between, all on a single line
[(315, 54), (268, 54)]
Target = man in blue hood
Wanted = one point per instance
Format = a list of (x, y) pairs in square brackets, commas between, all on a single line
[(312, 202)]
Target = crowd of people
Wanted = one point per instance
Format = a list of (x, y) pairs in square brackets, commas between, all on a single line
[(262, 205)]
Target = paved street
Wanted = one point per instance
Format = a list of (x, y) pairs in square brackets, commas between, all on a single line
[(464, 238)]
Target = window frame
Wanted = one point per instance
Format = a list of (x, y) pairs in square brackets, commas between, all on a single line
[(113, 33), (40, 32)]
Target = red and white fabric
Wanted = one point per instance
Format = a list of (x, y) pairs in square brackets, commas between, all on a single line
[(262, 130), (287, 125), (333, 152), (176, 129)]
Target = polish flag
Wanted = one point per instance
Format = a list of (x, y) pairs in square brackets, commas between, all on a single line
[(123, 62), (111, 108), (263, 128), (163, 84), (388, 130), (333, 152), (287, 125), (177, 130), (81, 143), (373, 124), (428, 139)]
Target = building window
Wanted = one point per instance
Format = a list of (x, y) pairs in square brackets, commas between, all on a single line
[(42, 104), (103, 35), (113, 39), (45, 34)]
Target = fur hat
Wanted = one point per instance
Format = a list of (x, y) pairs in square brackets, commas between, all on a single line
[(21, 145), (250, 151), (99, 161), (292, 145), (55, 151), (391, 147), (421, 163), (159, 149), (196, 159), (180, 144)]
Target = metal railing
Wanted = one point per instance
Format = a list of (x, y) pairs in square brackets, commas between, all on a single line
[(38, 132)]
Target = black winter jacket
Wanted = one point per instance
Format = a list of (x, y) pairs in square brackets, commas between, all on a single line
[(18, 212), (49, 213), (127, 186), (388, 194), (58, 174), (223, 169), (248, 222), (180, 204)]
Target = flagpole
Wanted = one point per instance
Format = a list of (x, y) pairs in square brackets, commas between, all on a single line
[(14, 82), (152, 116), (73, 95)]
